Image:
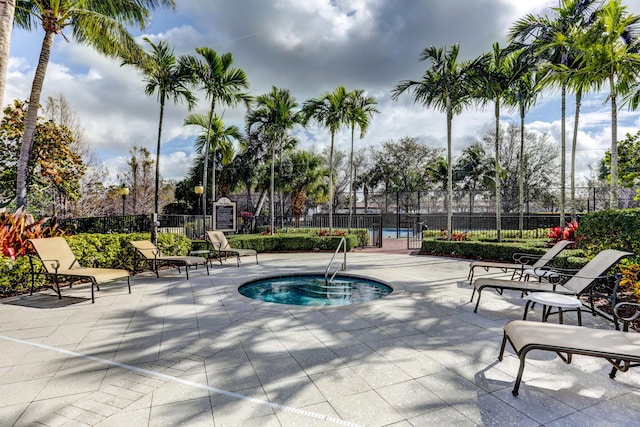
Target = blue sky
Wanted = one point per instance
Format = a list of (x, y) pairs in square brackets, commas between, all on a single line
[(308, 47)]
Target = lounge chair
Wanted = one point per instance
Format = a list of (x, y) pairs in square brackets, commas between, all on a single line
[(222, 249), (59, 262), (577, 284), (523, 262), (146, 251), (620, 348)]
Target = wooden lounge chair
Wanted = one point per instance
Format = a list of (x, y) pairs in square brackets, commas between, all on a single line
[(59, 262), (577, 284), (222, 249), (620, 348), (146, 251), (523, 262)]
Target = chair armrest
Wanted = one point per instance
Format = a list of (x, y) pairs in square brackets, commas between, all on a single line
[(525, 259), (626, 307), (55, 263)]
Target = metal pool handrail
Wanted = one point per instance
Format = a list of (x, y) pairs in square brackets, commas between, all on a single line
[(343, 266)]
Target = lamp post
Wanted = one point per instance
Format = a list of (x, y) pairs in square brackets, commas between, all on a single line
[(124, 192), (199, 189)]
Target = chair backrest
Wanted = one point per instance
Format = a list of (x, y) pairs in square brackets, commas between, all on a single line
[(218, 239), (146, 248), (552, 253), (52, 249), (595, 268)]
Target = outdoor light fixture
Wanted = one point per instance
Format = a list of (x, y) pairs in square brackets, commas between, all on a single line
[(124, 192), (199, 189)]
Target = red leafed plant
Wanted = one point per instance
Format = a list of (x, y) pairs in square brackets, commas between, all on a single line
[(16, 229), (568, 232)]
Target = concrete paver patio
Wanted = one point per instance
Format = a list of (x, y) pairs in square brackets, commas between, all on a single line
[(195, 352)]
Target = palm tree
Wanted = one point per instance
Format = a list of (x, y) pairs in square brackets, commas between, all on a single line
[(7, 13), (361, 111), (611, 49), (523, 95), (308, 180), (221, 138), (473, 171), (222, 84), (548, 41), (274, 116), (330, 110), (168, 78), (500, 72), (98, 24), (446, 87)]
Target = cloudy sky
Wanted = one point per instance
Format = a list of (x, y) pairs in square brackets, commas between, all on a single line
[(309, 47)]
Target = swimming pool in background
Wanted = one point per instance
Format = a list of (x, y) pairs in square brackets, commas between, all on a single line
[(314, 290), (392, 233)]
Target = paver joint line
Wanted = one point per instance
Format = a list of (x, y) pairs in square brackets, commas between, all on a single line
[(186, 382)]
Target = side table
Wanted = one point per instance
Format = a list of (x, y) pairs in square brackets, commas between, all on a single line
[(202, 252), (552, 299)]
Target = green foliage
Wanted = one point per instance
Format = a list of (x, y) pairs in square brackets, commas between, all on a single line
[(362, 234), (52, 162), (290, 242), (610, 229), (501, 252), (16, 229)]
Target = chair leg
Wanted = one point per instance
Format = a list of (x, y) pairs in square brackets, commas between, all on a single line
[(475, 310)]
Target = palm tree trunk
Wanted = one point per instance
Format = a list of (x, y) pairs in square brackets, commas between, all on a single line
[(205, 166), (7, 12), (26, 145), (497, 176), (449, 171), (331, 184), (351, 195), (521, 176), (156, 196), (272, 185), (613, 192), (574, 145), (563, 152)]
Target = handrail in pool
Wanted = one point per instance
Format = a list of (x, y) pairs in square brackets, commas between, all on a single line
[(343, 266)]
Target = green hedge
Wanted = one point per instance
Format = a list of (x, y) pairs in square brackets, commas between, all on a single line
[(291, 242), (502, 252), (610, 229)]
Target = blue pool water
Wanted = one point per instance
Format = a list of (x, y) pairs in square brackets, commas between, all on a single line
[(392, 233), (312, 290)]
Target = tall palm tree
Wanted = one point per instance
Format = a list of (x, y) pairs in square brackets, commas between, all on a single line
[(330, 110), (500, 71), (101, 25), (611, 49), (522, 95), (547, 39), (7, 13), (224, 85), (360, 112), (169, 78), (273, 116), (446, 87)]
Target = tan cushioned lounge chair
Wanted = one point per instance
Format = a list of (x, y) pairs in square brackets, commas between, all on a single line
[(518, 268), (59, 262), (620, 348), (222, 249), (576, 285), (150, 253)]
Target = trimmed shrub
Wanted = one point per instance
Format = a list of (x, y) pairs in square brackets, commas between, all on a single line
[(610, 229)]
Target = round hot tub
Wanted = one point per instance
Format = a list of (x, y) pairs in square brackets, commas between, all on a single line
[(315, 290)]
